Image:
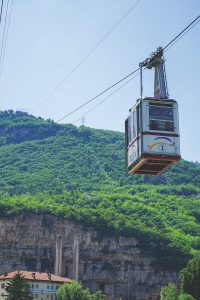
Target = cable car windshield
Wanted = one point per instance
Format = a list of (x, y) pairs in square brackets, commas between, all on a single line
[(161, 117)]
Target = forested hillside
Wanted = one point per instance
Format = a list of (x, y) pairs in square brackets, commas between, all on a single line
[(38, 156), (78, 173)]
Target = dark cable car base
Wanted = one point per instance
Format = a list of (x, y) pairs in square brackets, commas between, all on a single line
[(152, 164)]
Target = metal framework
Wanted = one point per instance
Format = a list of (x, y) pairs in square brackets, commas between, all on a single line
[(157, 62)]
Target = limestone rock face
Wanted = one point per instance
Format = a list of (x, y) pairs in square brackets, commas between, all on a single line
[(109, 263)]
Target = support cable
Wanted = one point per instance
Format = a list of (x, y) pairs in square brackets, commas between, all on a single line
[(102, 101), (180, 35), (87, 55), (1, 13), (6, 38), (98, 95), (4, 32), (171, 43)]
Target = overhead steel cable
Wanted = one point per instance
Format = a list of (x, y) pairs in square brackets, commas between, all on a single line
[(104, 91), (4, 32), (180, 35), (98, 95), (1, 12), (87, 55), (182, 32), (102, 101), (6, 37)]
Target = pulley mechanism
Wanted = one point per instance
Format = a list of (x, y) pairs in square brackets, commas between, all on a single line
[(156, 61)]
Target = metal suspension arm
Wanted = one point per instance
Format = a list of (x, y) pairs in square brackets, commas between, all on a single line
[(157, 62)]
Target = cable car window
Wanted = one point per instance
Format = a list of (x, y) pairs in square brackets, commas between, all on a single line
[(161, 125), (161, 113), (132, 127), (161, 117)]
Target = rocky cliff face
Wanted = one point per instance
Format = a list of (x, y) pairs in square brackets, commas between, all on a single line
[(112, 264)]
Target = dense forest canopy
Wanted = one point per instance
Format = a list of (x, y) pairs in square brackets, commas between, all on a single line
[(38, 155), (78, 173)]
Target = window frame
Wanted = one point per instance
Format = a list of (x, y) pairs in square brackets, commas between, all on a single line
[(164, 124)]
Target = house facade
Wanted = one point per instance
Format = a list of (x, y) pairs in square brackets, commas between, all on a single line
[(43, 286)]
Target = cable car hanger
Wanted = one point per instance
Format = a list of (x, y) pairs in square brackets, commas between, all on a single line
[(157, 62)]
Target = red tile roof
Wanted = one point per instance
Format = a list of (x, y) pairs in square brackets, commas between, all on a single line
[(37, 276)]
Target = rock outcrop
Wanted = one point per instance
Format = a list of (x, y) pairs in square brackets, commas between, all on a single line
[(112, 264)]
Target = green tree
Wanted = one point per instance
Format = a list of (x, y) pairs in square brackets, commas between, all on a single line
[(75, 291), (185, 297), (18, 288), (190, 278), (169, 292)]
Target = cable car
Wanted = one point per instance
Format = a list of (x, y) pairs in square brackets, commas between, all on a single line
[(152, 141)]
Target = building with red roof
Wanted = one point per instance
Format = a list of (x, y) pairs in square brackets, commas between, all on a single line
[(42, 285)]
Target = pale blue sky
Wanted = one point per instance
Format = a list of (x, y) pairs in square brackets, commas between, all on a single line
[(47, 39)]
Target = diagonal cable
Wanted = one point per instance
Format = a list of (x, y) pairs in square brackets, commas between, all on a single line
[(4, 32), (182, 32), (6, 38), (98, 95), (1, 13), (87, 55), (106, 98)]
